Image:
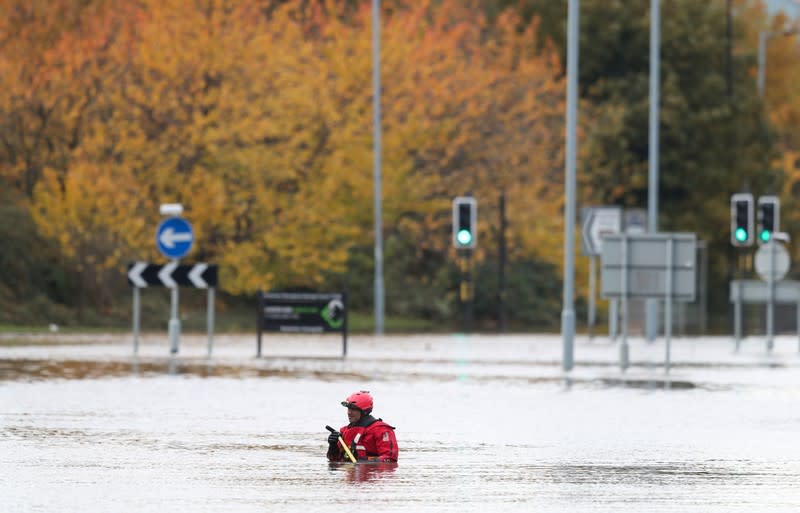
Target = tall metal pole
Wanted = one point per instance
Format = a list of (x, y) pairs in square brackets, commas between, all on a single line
[(174, 326), (668, 306), (568, 312), (613, 318), (376, 151), (763, 41), (624, 349), (501, 274), (466, 289), (592, 295), (652, 179), (137, 309), (798, 326), (762, 61), (729, 41), (210, 318), (771, 297)]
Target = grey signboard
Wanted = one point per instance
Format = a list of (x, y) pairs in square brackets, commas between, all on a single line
[(772, 260), (635, 220), (597, 222), (757, 291), (651, 265)]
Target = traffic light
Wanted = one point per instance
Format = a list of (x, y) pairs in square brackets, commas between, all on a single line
[(742, 219), (768, 215), (465, 213)]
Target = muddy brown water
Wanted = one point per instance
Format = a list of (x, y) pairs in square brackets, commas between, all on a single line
[(160, 434)]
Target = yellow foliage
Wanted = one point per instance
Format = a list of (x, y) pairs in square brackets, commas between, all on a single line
[(257, 117)]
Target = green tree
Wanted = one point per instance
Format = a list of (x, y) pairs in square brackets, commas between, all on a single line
[(711, 143)]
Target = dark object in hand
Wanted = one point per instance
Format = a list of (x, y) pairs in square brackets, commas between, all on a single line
[(333, 438)]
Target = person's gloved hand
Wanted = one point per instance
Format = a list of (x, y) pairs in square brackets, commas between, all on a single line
[(333, 438)]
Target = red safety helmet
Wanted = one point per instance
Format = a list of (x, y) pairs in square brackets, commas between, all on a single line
[(360, 400)]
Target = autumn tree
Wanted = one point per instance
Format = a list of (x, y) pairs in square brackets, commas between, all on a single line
[(256, 115), (781, 105), (712, 141)]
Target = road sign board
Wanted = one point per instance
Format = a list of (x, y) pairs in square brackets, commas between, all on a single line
[(302, 312), (641, 265), (635, 220), (756, 291), (597, 222), (778, 264), (174, 237), (201, 275)]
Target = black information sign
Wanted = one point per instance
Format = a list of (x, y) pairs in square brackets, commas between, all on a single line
[(303, 312)]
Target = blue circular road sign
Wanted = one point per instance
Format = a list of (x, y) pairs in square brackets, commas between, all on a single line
[(174, 237)]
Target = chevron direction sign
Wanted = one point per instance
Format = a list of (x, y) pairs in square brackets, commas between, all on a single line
[(597, 222), (201, 276)]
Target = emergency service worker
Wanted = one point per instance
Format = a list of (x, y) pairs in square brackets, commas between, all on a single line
[(368, 438)]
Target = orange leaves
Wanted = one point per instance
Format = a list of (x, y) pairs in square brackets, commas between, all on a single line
[(257, 116)]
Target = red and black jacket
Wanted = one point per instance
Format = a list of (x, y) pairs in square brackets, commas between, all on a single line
[(369, 439)]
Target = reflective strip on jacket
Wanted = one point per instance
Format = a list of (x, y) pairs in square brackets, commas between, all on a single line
[(375, 441)]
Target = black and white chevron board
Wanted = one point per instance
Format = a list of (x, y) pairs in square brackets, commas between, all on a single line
[(144, 274)]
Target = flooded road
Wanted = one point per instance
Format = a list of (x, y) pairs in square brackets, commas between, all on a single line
[(484, 424)]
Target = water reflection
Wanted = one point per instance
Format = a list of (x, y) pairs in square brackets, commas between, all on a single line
[(364, 471)]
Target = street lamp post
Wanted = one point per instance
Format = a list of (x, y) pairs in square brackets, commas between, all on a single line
[(763, 39), (651, 319), (568, 310), (376, 151)]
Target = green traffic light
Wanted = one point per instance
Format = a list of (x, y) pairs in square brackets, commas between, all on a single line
[(741, 234), (464, 237), (765, 235)]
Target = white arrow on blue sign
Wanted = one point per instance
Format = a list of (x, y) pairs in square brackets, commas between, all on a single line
[(174, 237)]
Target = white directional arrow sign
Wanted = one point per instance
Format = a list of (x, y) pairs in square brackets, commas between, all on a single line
[(135, 274), (174, 237), (201, 275), (165, 275), (170, 237), (196, 276), (597, 222)]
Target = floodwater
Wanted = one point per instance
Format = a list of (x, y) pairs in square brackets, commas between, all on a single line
[(483, 424)]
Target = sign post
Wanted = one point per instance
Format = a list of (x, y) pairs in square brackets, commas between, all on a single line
[(772, 264), (758, 292), (174, 239), (144, 274), (136, 310), (651, 265), (597, 222)]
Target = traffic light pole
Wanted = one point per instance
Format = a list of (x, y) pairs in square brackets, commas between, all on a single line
[(771, 298), (742, 237), (737, 306), (466, 289)]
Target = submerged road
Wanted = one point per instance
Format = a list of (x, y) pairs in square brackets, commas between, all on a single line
[(485, 423)]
